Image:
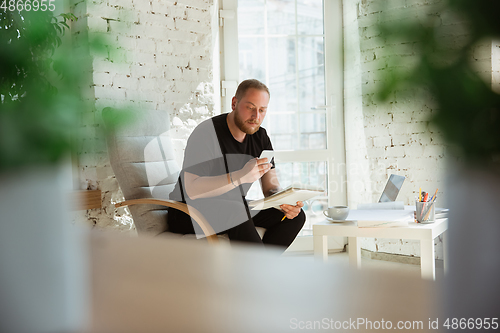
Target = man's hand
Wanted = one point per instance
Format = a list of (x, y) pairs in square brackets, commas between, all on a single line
[(253, 170), (291, 212)]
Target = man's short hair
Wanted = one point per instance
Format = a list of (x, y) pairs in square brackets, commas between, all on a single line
[(249, 84)]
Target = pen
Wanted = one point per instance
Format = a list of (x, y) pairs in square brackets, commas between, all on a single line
[(424, 198)]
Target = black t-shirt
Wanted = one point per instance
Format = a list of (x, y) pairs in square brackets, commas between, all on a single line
[(203, 154)]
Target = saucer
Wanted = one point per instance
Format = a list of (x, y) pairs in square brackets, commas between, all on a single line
[(336, 221)]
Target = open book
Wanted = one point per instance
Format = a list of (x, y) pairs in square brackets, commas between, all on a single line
[(289, 195)]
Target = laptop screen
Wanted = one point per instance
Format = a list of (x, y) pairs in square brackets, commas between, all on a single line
[(392, 188)]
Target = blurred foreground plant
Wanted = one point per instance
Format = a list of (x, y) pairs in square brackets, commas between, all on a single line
[(468, 113), (40, 102), (41, 79)]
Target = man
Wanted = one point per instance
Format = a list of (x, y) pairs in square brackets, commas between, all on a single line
[(221, 163)]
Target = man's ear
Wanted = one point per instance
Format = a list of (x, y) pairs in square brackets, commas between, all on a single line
[(234, 101)]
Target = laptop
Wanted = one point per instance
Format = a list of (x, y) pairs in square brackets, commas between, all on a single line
[(392, 188)]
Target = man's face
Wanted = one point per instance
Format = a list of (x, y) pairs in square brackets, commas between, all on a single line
[(250, 110)]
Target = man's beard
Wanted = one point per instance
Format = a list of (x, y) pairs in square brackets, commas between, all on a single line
[(240, 123)]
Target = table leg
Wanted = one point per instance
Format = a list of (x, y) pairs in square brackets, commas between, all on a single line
[(354, 252), (444, 237), (427, 264), (321, 247)]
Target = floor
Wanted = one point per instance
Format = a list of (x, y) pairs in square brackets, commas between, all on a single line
[(341, 259)]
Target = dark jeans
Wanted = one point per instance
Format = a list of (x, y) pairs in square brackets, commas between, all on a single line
[(224, 214)]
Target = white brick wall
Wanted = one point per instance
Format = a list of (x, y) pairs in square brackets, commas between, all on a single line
[(159, 56)]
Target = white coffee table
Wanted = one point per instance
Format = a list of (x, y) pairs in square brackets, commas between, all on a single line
[(425, 233)]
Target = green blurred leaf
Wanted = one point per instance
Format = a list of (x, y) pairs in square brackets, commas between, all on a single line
[(40, 84)]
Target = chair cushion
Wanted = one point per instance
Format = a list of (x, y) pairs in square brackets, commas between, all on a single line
[(142, 157)]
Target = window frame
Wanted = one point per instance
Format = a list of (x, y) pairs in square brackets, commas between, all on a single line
[(335, 152)]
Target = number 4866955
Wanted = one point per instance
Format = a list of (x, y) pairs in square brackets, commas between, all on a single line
[(28, 5), (471, 323)]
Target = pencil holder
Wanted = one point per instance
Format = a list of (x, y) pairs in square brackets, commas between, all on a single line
[(424, 212)]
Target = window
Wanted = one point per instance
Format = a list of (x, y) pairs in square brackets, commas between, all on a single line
[(282, 43)]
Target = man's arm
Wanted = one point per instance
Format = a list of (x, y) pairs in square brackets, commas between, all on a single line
[(206, 187), (211, 186)]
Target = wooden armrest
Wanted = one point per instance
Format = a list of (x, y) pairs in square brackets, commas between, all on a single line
[(85, 199), (191, 211)]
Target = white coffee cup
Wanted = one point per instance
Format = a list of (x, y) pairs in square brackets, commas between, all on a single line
[(337, 212)]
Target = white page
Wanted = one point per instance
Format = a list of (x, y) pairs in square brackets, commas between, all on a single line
[(291, 199)]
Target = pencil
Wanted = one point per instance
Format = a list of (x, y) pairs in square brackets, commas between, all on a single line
[(428, 212), (419, 194), (284, 217), (434, 196)]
